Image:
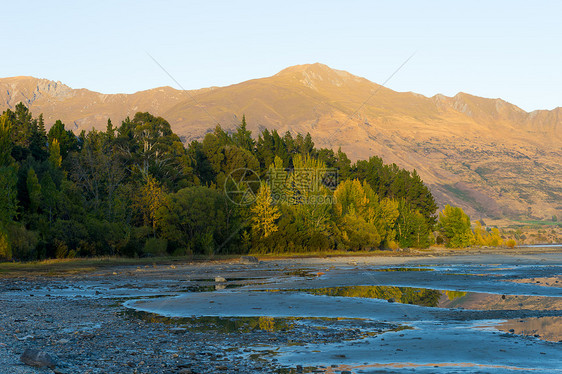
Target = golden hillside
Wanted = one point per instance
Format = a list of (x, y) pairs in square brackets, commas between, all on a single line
[(486, 155)]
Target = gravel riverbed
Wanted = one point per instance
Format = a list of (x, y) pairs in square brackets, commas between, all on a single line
[(83, 322)]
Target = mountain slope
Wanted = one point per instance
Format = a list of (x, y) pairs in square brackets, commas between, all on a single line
[(486, 155)]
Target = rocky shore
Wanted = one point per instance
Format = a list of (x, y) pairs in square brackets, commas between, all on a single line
[(81, 323)]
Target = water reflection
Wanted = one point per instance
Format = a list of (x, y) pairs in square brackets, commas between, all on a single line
[(441, 298), (405, 295), (219, 324), (546, 328), (404, 269), (362, 327)]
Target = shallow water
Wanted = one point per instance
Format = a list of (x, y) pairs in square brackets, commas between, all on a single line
[(547, 328), (554, 245), (459, 312)]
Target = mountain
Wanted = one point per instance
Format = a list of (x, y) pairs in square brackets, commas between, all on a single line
[(486, 155)]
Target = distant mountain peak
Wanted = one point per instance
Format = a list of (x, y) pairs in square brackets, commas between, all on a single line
[(315, 74), (29, 89)]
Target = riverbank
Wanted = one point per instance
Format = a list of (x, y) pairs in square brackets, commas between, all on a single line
[(90, 321), (69, 267)]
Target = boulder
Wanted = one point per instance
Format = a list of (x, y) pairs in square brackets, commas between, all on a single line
[(37, 358), (249, 260), (219, 279)]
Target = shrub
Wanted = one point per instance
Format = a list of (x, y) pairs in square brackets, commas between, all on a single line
[(156, 247), (185, 251), (23, 242), (392, 245), (511, 243), (5, 247)]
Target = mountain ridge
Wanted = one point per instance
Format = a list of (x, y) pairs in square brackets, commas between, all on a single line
[(487, 155)]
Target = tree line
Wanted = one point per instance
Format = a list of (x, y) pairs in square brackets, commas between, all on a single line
[(136, 190)]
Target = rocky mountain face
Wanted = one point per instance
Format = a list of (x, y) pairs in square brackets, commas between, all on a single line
[(486, 155)]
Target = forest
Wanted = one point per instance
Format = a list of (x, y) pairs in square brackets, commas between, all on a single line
[(136, 190)]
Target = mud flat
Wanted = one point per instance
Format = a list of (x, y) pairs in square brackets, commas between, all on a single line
[(451, 313)]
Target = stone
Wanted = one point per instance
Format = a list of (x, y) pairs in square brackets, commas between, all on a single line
[(35, 357), (25, 337), (249, 260), (219, 279), (391, 300)]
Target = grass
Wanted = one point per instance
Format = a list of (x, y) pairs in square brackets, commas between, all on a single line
[(76, 266), (66, 267), (324, 254), (538, 223)]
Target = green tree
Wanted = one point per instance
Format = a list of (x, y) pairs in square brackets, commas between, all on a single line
[(38, 143), (99, 169), (385, 217), (6, 143), (454, 226), (5, 247), (265, 149), (359, 234), (155, 149), (149, 200), (33, 190), (413, 229), (8, 194), (358, 211), (66, 139), (243, 137), (54, 153), (193, 220), (110, 130), (49, 196)]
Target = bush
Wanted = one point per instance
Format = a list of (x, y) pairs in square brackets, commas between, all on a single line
[(23, 242), (61, 249), (156, 247), (5, 247), (185, 251), (511, 243), (392, 245)]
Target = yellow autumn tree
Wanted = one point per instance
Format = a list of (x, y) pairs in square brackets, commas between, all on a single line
[(495, 239), (480, 234), (264, 213)]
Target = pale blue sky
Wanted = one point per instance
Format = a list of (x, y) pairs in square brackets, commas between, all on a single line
[(508, 49)]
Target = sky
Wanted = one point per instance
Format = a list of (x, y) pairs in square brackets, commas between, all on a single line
[(496, 49)]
